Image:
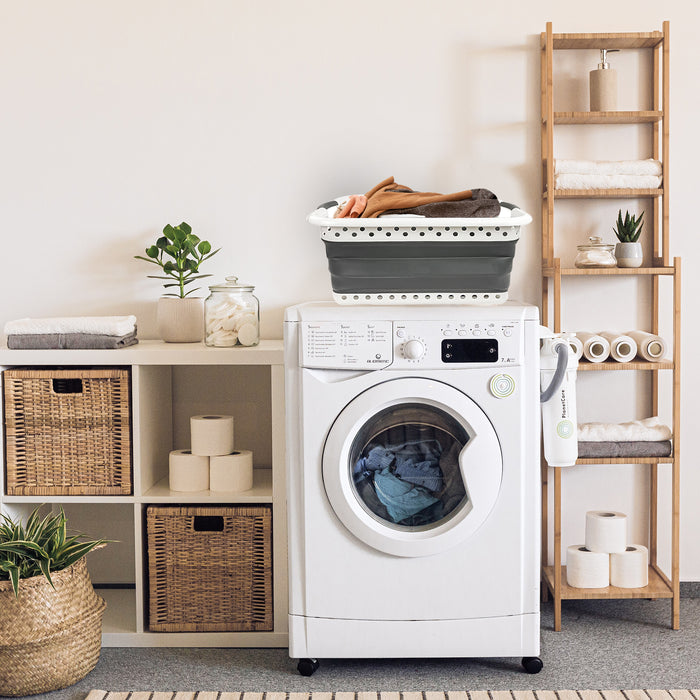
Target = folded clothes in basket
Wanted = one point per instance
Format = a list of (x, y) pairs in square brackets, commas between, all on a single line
[(71, 332), (391, 199)]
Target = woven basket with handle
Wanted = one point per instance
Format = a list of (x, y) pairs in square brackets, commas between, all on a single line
[(49, 638)]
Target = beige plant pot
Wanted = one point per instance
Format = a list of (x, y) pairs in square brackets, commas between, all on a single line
[(181, 320), (629, 254), (50, 638)]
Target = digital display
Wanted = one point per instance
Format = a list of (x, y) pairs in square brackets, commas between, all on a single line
[(470, 350)]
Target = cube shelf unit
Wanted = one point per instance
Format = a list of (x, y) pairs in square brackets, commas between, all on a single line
[(554, 277), (169, 383)]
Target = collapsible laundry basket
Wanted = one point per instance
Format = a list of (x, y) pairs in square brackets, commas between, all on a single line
[(420, 260)]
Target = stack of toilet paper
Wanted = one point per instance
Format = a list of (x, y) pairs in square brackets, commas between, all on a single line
[(621, 347), (211, 462), (606, 558)]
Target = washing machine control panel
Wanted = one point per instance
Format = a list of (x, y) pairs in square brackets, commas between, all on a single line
[(346, 345), (442, 344), (363, 345)]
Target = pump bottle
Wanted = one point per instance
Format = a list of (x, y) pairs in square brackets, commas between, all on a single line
[(603, 85)]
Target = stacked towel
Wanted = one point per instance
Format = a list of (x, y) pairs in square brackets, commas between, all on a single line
[(648, 437), (602, 174), (72, 332)]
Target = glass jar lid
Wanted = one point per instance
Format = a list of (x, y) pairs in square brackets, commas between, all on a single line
[(596, 243), (232, 284)]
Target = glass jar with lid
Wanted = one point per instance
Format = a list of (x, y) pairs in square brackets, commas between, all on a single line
[(595, 254), (231, 315)]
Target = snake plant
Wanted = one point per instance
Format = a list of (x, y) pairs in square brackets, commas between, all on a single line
[(628, 229), (38, 547)]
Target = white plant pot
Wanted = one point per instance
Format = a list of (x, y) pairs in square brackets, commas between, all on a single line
[(181, 320), (629, 254)]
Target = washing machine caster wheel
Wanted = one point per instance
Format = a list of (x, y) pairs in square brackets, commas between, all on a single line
[(306, 667), (532, 664)]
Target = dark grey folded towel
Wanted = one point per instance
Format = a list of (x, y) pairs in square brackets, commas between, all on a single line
[(69, 341), (637, 448)]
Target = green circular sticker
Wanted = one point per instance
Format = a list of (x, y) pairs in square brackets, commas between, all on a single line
[(502, 385), (565, 428)]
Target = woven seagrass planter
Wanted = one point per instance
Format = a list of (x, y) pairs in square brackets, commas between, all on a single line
[(49, 639)]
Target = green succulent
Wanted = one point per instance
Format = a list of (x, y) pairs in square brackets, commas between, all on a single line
[(629, 229), (187, 253), (38, 547)]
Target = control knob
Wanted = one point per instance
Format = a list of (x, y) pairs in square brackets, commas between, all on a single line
[(413, 349)]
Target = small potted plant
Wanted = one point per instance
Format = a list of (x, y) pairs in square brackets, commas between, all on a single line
[(179, 253), (51, 621), (629, 250)]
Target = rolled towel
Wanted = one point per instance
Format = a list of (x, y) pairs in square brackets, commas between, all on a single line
[(98, 325), (593, 181), (595, 347), (648, 166), (622, 347), (649, 346), (651, 429)]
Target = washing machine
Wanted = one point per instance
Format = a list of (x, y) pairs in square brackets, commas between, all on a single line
[(413, 482)]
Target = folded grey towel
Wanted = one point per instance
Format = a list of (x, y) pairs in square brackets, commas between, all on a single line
[(636, 448), (69, 341)]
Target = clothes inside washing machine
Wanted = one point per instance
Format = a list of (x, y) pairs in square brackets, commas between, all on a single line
[(405, 466)]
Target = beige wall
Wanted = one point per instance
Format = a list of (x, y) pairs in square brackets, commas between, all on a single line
[(239, 116)]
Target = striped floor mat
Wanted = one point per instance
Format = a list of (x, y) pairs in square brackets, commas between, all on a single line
[(449, 695)]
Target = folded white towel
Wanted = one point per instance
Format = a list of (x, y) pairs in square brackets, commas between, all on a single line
[(648, 429), (577, 181), (608, 167), (101, 325)]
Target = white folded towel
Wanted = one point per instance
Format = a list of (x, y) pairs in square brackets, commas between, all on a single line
[(100, 325), (594, 181), (647, 429), (608, 167)]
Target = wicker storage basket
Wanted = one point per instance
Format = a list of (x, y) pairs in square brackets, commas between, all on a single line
[(49, 638), (67, 432), (210, 568)]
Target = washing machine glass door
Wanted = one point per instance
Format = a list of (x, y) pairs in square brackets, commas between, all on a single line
[(412, 467)]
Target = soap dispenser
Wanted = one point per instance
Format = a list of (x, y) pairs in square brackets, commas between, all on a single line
[(603, 83)]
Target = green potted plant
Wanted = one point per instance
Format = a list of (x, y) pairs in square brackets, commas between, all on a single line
[(179, 253), (51, 621), (629, 250)]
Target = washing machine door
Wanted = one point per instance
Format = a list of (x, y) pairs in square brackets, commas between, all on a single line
[(412, 467)]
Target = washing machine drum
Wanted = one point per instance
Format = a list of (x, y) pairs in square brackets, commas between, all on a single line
[(412, 467)]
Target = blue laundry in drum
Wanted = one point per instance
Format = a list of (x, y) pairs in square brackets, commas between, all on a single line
[(402, 499), (427, 474), (379, 458)]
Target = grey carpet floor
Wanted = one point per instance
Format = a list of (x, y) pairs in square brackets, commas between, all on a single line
[(602, 645)]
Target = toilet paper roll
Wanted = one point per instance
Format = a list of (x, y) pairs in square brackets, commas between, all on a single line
[(606, 531), (232, 472), (211, 435), (630, 569), (586, 569), (649, 346), (188, 472), (622, 347), (595, 347)]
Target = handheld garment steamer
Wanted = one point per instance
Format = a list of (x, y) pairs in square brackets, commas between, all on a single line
[(558, 365)]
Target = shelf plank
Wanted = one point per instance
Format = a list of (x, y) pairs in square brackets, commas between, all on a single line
[(596, 271), (615, 40), (625, 460), (260, 493), (619, 117), (657, 588), (611, 193), (151, 352), (612, 365)]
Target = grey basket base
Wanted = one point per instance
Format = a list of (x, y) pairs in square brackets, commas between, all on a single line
[(421, 298)]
